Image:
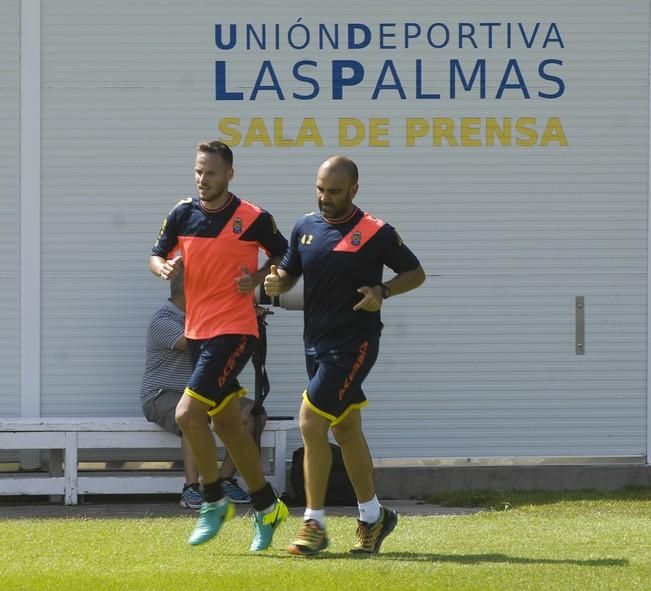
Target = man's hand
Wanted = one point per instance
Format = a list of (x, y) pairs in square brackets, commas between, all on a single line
[(172, 268), (244, 282), (372, 300), (272, 282)]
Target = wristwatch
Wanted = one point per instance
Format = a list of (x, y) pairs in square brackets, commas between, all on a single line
[(386, 291)]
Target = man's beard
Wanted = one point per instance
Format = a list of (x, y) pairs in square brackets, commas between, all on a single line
[(329, 212), (212, 194)]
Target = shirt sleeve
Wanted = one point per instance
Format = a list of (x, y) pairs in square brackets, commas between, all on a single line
[(395, 254), (265, 232), (168, 236), (166, 329), (291, 262)]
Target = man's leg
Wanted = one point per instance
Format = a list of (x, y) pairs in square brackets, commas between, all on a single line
[(357, 457), (189, 466), (375, 522), (191, 418), (317, 462), (231, 486), (215, 510), (191, 494), (228, 468), (162, 410), (270, 511), (240, 446)]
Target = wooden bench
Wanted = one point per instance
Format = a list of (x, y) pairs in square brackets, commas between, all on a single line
[(63, 437)]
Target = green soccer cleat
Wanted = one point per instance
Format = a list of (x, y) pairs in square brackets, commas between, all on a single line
[(310, 540), (265, 524), (370, 537), (211, 518)]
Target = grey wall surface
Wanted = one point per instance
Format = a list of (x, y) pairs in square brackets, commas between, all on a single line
[(480, 361)]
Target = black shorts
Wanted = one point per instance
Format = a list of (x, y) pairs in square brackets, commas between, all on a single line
[(217, 362), (336, 377)]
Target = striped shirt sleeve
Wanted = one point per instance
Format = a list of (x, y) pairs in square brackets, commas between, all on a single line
[(166, 329)]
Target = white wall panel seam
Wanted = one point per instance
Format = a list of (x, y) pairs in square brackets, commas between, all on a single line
[(10, 201), (30, 200), (648, 263)]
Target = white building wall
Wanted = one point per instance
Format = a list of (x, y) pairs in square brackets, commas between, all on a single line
[(10, 201), (481, 360)]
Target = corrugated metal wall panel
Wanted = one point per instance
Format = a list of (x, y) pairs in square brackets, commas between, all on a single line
[(478, 362), (9, 198)]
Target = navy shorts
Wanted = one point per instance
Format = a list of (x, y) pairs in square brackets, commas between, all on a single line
[(336, 377), (217, 362)]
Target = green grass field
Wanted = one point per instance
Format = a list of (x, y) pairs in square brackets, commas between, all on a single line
[(573, 541)]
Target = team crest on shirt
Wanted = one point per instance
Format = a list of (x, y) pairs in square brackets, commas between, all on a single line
[(237, 226), (356, 238)]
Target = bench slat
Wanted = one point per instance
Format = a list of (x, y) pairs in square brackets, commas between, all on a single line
[(104, 424), (132, 484), (32, 485), (32, 440)]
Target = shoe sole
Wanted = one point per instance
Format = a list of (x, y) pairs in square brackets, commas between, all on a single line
[(297, 550), (383, 535), (184, 505)]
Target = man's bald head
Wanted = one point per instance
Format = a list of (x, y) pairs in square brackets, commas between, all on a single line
[(336, 187), (343, 163)]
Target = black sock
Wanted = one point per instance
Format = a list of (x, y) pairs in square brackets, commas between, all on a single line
[(194, 485), (263, 498), (213, 492)]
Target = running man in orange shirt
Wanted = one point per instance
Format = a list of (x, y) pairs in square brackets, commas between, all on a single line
[(219, 236)]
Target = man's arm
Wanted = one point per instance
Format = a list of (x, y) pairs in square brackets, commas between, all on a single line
[(263, 271), (406, 281), (401, 283), (278, 281), (165, 268), (166, 331), (181, 344), (247, 282)]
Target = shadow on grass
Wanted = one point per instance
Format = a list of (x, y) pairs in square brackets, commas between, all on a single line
[(499, 558), (454, 558)]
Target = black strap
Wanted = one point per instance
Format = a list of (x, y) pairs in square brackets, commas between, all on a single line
[(262, 386)]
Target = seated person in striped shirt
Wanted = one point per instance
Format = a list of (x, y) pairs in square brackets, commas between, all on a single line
[(167, 369)]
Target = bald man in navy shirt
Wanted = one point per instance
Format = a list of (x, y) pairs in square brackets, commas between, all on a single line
[(341, 252)]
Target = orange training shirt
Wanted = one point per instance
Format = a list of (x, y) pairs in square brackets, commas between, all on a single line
[(215, 246)]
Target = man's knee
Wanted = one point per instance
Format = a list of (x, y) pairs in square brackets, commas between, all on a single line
[(227, 420), (188, 416), (350, 429), (312, 425)]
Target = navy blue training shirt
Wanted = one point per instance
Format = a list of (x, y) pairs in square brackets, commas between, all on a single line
[(335, 259)]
